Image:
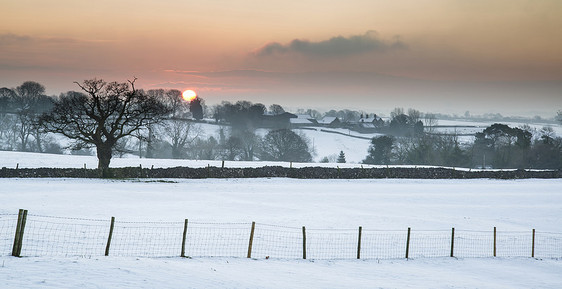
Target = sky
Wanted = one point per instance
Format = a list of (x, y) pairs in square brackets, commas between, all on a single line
[(447, 56)]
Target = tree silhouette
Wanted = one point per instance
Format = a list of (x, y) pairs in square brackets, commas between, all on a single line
[(380, 151), (105, 114), (284, 145), (196, 108)]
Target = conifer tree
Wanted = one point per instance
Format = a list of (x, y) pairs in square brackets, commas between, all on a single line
[(341, 157)]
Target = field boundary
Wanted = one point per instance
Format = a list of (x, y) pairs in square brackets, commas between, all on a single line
[(281, 172), (29, 235)]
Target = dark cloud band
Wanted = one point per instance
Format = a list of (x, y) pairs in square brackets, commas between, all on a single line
[(335, 46)]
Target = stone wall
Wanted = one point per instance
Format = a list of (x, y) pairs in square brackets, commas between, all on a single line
[(280, 172)]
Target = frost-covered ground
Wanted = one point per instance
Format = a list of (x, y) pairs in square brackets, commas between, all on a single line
[(514, 205)]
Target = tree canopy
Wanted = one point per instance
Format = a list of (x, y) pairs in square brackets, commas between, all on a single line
[(284, 145), (102, 115)]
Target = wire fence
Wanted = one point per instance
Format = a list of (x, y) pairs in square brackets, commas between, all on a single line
[(36, 235)]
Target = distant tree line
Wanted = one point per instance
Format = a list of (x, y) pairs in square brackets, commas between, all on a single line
[(497, 146), (117, 118)]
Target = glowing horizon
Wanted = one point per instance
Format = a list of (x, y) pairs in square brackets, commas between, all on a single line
[(390, 54)]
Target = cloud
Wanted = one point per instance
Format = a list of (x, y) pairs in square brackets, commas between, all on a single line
[(335, 46), (9, 38), (19, 40)]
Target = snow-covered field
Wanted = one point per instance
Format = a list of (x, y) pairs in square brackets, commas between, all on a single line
[(383, 204), (510, 205)]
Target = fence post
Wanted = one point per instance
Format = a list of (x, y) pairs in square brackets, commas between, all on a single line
[(533, 250), (18, 238), (359, 244), (408, 243), (17, 235), (23, 221), (452, 241), (110, 235), (303, 242), (494, 241), (183, 239), (251, 240)]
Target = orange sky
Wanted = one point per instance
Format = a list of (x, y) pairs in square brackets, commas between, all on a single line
[(427, 54)]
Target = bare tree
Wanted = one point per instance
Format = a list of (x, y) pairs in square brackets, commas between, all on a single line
[(29, 101), (107, 113), (430, 120), (414, 115), (180, 133), (276, 109), (396, 112)]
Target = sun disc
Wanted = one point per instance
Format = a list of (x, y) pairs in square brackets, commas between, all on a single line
[(189, 95)]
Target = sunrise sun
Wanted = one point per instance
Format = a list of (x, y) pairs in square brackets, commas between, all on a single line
[(189, 95)]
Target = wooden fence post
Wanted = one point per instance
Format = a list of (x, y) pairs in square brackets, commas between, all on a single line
[(23, 221), (303, 242), (18, 238), (494, 241), (452, 241), (222, 166), (251, 240), (17, 235), (184, 238), (359, 244), (110, 235), (408, 243), (533, 250)]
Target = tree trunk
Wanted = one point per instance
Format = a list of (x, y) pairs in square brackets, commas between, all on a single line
[(38, 140), (104, 152), (176, 152)]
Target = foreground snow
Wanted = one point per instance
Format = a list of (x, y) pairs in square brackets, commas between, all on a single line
[(517, 205), (380, 204), (114, 272)]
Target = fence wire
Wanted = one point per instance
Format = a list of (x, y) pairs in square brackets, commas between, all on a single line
[(426, 244), (383, 244), (8, 224), (54, 236), (331, 244), (146, 239), (277, 242), (217, 239), (548, 245), (58, 236)]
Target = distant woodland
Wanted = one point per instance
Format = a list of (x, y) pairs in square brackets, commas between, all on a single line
[(111, 119)]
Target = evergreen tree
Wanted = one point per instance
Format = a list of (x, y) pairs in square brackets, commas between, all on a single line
[(380, 151), (341, 158), (196, 108)]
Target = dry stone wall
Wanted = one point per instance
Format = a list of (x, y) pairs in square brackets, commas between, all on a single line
[(280, 172)]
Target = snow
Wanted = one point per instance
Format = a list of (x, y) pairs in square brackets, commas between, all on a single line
[(383, 204), (111, 272), (387, 204), (470, 126)]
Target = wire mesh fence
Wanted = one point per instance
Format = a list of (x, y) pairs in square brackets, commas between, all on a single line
[(7, 231), (59, 236)]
